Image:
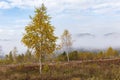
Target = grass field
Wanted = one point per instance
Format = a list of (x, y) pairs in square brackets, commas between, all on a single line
[(74, 70)]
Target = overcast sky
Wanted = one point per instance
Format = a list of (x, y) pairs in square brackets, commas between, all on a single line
[(92, 23)]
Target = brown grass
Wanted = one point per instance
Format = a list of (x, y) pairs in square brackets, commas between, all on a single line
[(75, 70)]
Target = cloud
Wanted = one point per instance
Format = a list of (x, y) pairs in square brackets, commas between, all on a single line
[(107, 7), (78, 16), (24, 3), (22, 21), (98, 41), (85, 35), (112, 35), (6, 31), (98, 6), (5, 40), (11, 34), (4, 5)]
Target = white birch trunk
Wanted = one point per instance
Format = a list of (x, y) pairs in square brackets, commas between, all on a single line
[(68, 57), (40, 64), (67, 54)]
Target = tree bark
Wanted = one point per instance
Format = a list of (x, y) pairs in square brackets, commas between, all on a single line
[(40, 64), (68, 57), (67, 52)]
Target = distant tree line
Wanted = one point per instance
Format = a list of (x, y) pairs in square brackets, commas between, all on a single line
[(28, 57), (78, 55)]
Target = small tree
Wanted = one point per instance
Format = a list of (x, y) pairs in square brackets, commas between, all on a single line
[(100, 55), (10, 56), (66, 42), (14, 52), (28, 55), (109, 53), (39, 34)]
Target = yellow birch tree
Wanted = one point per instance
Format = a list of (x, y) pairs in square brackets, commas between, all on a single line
[(66, 42), (39, 34)]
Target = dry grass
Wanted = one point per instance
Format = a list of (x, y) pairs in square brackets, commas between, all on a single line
[(74, 70)]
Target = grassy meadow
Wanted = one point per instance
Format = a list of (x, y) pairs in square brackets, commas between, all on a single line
[(74, 70)]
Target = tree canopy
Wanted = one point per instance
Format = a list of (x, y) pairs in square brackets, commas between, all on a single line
[(39, 34)]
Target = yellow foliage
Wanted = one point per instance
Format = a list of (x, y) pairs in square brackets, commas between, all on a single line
[(40, 33)]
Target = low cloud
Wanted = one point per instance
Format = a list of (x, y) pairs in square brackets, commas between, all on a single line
[(112, 35), (85, 35), (5, 40)]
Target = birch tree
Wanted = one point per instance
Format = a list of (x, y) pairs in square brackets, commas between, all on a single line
[(39, 34), (14, 52), (66, 42)]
